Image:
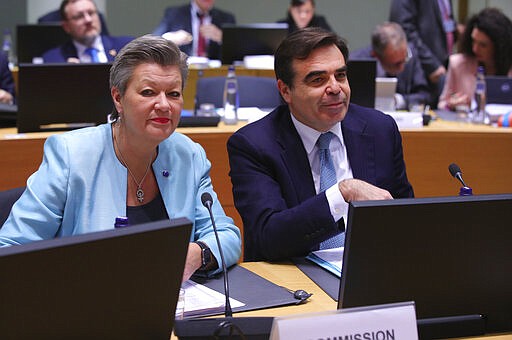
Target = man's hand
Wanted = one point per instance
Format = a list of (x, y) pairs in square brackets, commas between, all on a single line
[(5, 97), (180, 37), (437, 74), (212, 32), (193, 261), (357, 190)]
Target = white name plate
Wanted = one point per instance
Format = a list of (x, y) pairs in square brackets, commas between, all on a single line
[(383, 322)]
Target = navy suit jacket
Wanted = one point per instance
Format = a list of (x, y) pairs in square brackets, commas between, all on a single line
[(412, 83), (6, 79), (179, 18), (60, 54), (423, 24), (273, 186)]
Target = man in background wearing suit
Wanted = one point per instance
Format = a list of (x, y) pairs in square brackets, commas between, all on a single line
[(55, 17), (396, 58), (295, 170), (81, 21), (6, 81), (431, 27), (196, 28)]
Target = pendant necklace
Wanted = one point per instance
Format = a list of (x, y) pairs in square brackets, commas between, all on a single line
[(139, 193)]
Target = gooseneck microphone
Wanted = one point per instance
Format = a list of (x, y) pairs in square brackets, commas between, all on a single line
[(457, 173), (227, 327), (207, 201)]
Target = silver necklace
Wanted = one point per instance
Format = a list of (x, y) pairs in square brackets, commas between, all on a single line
[(139, 193)]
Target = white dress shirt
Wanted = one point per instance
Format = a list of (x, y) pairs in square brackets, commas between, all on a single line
[(85, 57), (207, 19), (309, 137)]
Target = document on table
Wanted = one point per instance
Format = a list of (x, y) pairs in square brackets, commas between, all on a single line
[(201, 300), (329, 259)]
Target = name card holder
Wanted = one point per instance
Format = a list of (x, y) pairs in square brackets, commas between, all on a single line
[(391, 321)]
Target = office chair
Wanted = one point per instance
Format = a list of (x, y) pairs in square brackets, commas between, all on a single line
[(253, 91), (7, 199)]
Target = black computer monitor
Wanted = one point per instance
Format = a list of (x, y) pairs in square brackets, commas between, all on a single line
[(239, 41), (361, 77), (451, 255), (62, 96), (35, 39), (114, 284)]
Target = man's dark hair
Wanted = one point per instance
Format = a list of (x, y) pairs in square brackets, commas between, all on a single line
[(299, 45), (64, 4), (297, 3)]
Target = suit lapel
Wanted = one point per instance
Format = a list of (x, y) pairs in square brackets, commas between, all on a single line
[(360, 146), (294, 156)]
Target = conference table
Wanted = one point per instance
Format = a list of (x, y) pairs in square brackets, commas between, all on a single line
[(484, 154), (289, 276)]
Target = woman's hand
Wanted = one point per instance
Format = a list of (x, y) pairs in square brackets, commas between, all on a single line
[(193, 261)]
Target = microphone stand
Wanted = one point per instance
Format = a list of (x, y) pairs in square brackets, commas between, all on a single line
[(243, 327)]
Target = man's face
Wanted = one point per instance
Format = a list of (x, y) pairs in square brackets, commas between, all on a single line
[(393, 59), (320, 93), (82, 21), (205, 5)]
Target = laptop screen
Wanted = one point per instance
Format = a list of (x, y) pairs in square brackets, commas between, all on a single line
[(62, 96), (451, 255), (499, 89), (115, 284)]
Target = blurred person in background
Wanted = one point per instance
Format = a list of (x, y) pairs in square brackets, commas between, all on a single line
[(88, 44), (6, 81), (196, 27), (397, 58), (486, 41), (301, 14)]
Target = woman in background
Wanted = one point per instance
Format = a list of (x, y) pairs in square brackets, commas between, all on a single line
[(301, 14), (487, 42)]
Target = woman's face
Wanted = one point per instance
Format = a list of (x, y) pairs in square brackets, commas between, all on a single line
[(151, 107), (482, 46), (302, 14)]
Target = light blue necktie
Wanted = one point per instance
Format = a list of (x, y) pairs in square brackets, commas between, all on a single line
[(93, 53), (327, 180)]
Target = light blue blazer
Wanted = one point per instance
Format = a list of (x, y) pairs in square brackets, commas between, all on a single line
[(81, 187)]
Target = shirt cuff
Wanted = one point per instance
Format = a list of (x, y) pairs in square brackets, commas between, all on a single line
[(337, 204)]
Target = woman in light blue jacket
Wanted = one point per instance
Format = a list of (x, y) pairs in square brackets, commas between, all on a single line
[(136, 166)]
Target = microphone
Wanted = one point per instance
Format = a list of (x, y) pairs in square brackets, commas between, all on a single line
[(207, 201), (457, 173), (244, 327)]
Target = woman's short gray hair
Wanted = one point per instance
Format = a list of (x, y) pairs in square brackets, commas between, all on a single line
[(148, 49)]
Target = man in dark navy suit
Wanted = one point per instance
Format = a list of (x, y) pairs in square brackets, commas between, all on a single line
[(275, 162), (88, 44), (196, 27)]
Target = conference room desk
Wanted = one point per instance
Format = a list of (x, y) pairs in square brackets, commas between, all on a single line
[(289, 276)]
